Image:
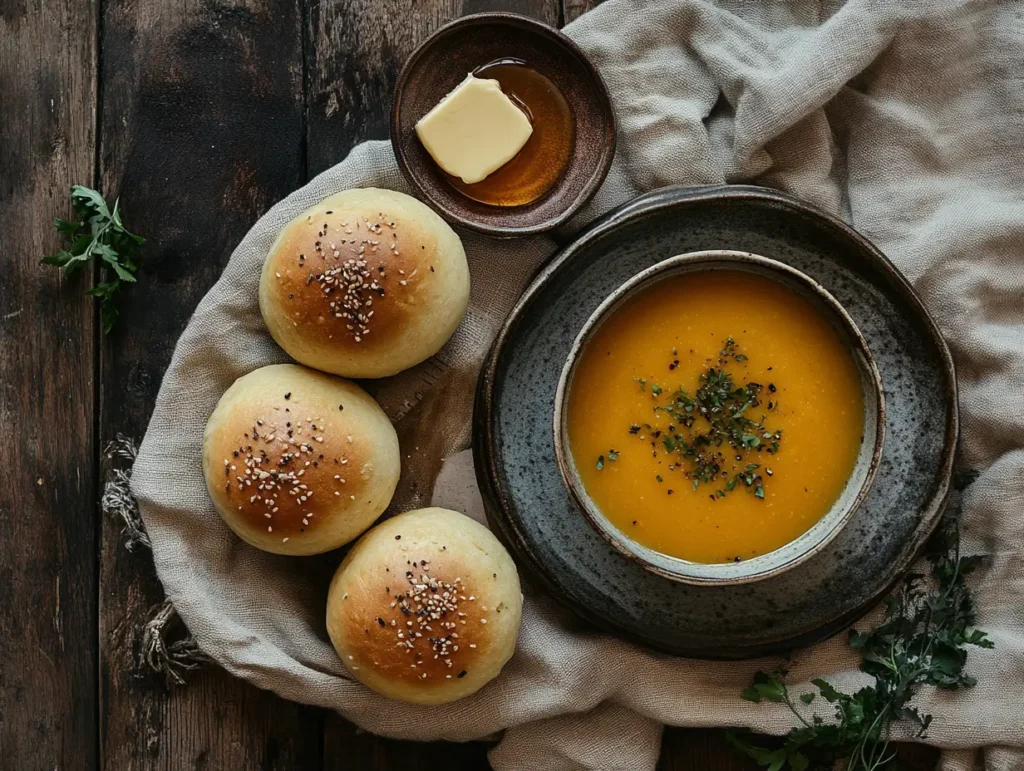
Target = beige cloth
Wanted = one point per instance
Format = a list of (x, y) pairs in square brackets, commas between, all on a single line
[(907, 118)]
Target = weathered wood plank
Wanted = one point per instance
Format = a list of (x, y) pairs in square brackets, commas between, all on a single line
[(543, 10), (573, 9), (201, 130), (346, 748), (699, 749), (48, 645)]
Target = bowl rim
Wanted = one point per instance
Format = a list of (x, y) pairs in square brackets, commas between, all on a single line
[(721, 573), (608, 147)]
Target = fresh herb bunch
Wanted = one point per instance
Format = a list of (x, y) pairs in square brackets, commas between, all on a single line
[(922, 641), (99, 234), (726, 409)]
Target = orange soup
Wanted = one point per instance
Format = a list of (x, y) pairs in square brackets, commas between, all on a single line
[(715, 416)]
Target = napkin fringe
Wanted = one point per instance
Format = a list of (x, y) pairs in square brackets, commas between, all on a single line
[(117, 500), (167, 647)]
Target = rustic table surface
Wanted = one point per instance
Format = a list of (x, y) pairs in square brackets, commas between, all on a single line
[(200, 114)]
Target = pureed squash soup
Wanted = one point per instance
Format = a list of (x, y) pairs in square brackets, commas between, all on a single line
[(715, 416)]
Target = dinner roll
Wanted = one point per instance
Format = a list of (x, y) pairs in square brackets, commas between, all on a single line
[(365, 284), (298, 462), (426, 607)]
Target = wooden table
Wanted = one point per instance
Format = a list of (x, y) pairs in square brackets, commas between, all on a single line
[(200, 115)]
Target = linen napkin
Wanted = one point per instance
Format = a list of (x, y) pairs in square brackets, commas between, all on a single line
[(905, 118)]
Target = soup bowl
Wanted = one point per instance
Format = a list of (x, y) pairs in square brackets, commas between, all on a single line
[(811, 541)]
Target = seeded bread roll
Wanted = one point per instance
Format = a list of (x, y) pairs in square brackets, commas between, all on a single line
[(426, 607), (299, 462), (365, 284)]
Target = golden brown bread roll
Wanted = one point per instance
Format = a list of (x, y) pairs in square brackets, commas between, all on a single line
[(299, 462), (365, 284), (426, 607)]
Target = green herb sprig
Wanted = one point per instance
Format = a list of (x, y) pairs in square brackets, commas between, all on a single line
[(99, 234), (922, 640)]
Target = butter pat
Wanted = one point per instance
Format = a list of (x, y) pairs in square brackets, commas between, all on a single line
[(474, 131)]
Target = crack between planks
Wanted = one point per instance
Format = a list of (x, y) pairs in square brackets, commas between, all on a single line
[(97, 393), (305, 30)]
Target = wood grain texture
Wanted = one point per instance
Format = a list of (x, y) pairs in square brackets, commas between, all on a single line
[(699, 749), (347, 748), (201, 132), (573, 9), (47, 392)]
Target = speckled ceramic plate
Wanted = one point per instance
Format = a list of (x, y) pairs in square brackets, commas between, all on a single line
[(531, 510)]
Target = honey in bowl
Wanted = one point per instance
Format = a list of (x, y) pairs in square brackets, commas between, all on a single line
[(542, 161), (715, 416)]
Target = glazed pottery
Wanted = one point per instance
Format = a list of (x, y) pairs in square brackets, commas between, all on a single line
[(530, 507), (824, 530), (442, 62)]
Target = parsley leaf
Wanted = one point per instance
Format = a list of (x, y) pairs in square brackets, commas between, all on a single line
[(922, 640), (99, 234)]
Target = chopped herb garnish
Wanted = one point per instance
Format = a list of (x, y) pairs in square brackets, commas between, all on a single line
[(613, 455), (715, 421), (600, 462)]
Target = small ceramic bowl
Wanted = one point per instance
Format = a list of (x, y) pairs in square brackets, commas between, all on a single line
[(442, 62), (812, 541)]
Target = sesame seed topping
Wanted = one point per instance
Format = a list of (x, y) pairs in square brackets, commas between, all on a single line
[(350, 284), (274, 474), (429, 607)]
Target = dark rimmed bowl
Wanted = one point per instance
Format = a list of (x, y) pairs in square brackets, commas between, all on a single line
[(857, 486), (441, 63)]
